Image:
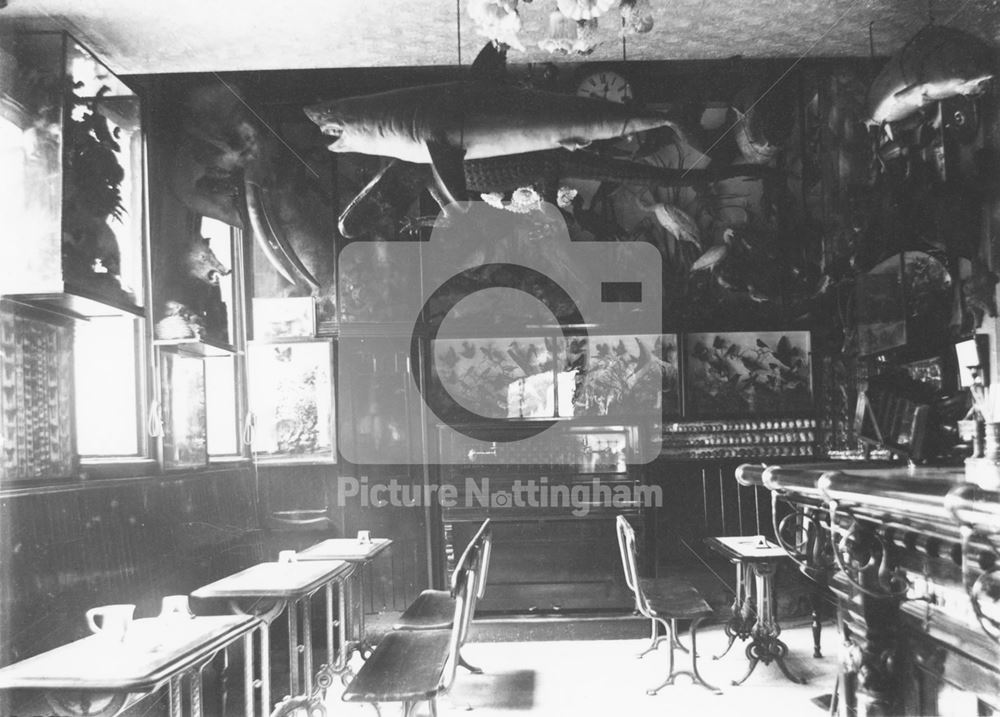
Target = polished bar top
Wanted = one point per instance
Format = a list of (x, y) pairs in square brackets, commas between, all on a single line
[(345, 549), (746, 548), (153, 650), (276, 580), (922, 492)]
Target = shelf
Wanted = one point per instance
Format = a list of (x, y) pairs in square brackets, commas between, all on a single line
[(195, 348), (77, 304)]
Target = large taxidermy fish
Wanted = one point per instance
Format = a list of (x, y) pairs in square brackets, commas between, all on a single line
[(446, 124), (937, 63), (387, 196)]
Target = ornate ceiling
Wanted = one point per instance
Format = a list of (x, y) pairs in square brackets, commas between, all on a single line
[(202, 35)]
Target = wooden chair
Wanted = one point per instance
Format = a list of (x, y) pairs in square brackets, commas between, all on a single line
[(664, 601), (432, 609), (412, 666)]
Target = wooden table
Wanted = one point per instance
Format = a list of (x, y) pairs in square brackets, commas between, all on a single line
[(360, 554), (754, 609), (99, 675), (265, 590)]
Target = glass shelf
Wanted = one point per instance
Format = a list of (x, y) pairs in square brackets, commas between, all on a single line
[(196, 348)]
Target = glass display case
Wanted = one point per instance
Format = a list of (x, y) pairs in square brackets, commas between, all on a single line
[(71, 193), (291, 399), (182, 391)]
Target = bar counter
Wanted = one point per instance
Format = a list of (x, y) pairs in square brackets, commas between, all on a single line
[(910, 553)]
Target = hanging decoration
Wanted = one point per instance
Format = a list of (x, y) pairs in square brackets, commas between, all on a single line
[(497, 20), (572, 27)]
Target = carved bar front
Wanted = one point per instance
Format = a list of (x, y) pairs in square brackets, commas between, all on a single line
[(910, 554)]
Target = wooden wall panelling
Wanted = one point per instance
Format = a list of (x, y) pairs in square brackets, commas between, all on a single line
[(700, 500), (76, 546), (397, 577)]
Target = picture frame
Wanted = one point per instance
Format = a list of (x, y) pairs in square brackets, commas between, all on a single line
[(747, 373), (604, 375), (284, 318), (630, 375), (292, 400)]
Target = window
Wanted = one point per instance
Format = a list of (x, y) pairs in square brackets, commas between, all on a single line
[(221, 243), (107, 353), (222, 406), (224, 401)]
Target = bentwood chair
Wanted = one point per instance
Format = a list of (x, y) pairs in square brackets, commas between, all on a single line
[(664, 601), (432, 609)]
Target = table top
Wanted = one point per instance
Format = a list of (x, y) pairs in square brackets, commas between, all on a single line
[(288, 580), (153, 650), (345, 549), (746, 548)]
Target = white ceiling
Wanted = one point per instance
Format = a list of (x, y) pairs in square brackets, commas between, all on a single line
[(146, 36)]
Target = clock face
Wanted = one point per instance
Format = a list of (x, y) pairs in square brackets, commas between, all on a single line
[(605, 85)]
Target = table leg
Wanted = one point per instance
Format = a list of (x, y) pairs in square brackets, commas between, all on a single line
[(265, 668), (342, 666), (364, 648), (176, 697), (224, 682), (739, 624), (293, 648), (248, 683), (766, 646), (816, 604), (194, 689), (307, 657), (330, 654)]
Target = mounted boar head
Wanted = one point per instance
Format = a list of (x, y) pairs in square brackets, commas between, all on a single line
[(228, 164)]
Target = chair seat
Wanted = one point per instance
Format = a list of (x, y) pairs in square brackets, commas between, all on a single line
[(674, 599), (406, 666), (432, 610)]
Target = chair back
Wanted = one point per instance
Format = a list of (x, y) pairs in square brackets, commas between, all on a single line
[(486, 550), (469, 555), (626, 546), (464, 584), (479, 565)]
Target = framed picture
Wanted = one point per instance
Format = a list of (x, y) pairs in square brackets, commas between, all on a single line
[(747, 373), (629, 375), (291, 396), (284, 318), (503, 377)]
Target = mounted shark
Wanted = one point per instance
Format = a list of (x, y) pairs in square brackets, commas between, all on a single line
[(445, 124), (385, 199), (937, 63)]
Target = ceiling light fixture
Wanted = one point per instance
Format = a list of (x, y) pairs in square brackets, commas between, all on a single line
[(572, 25)]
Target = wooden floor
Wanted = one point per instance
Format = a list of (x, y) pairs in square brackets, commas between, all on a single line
[(592, 677)]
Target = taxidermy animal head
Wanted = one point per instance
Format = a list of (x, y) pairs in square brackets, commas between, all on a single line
[(201, 263), (226, 163)]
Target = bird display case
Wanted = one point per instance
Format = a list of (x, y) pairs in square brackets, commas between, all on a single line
[(72, 193), (292, 401)]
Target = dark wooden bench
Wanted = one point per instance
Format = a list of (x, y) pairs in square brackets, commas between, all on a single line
[(433, 609), (664, 601), (412, 666)]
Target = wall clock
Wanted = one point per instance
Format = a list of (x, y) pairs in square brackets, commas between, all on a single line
[(606, 85)]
